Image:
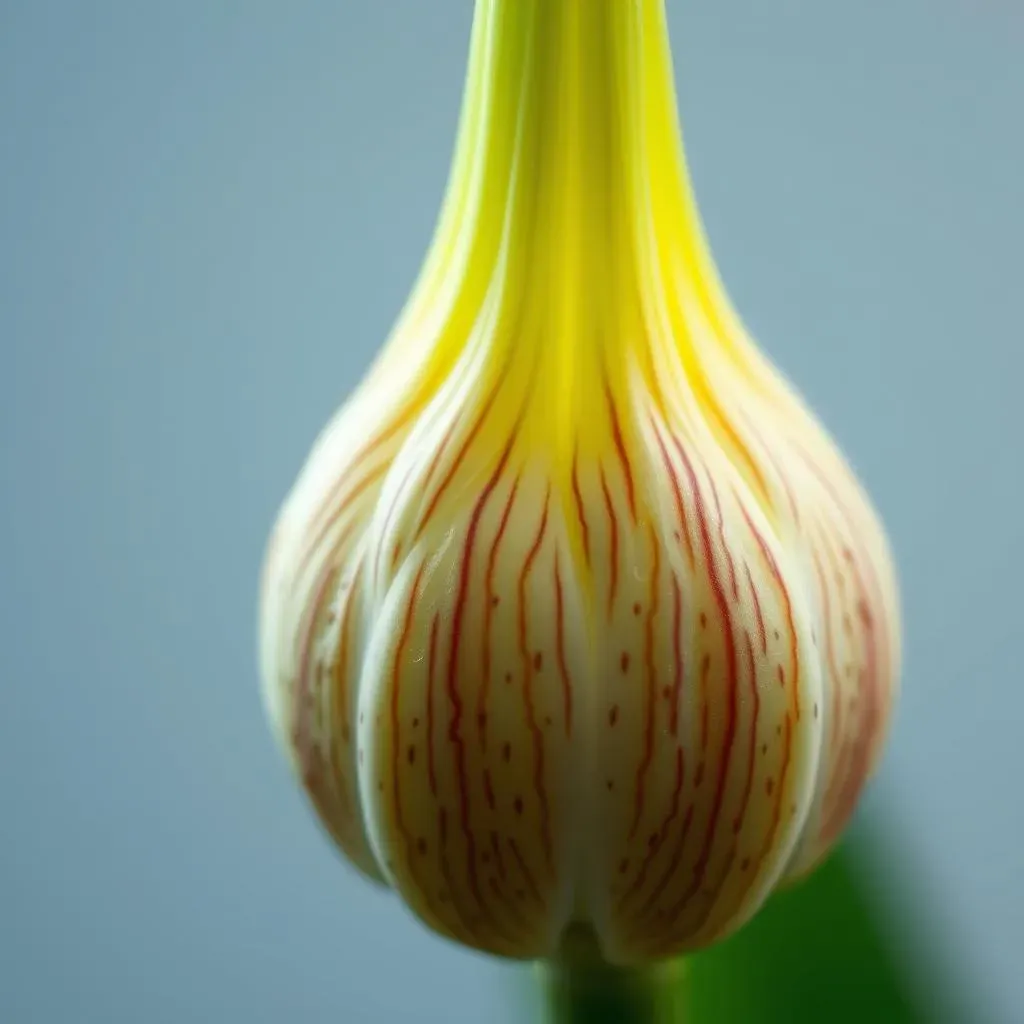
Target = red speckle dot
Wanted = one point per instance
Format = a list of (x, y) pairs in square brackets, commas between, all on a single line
[(538, 661), (636, 608), (411, 755), (667, 692), (495, 601), (508, 677), (610, 784), (769, 785), (506, 752), (781, 673), (744, 864), (703, 620), (613, 715), (415, 723), (764, 748), (518, 805), (623, 866), (481, 719), (624, 661), (547, 721), (422, 846)]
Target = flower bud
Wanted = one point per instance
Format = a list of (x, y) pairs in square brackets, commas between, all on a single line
[(575, 615)]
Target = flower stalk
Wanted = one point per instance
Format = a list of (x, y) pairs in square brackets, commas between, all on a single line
[(579, 987)]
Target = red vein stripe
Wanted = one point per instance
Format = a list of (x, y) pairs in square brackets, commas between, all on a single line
[(620, 448), (563, 667), (396, 747), (613, 541), (431, 677), (662, 833), (752, 865), (836, 688), (733, 581), (767, 451), (388, 518), (773, 568), (439, 451), (762, 633), (518, 924), (677, 493), (882, 639), (499, 861), (525, 871), (527, 660), (677, 655), (341, 697), (856, 771), (877, 627), (492, 561), (454, 697), (499, 887), (752, 743), (446, 873), (651, 688), (303, 701), (581, 514), (876, 643), (670, 872), (773, 830), (321, 534), (725, 759), (385, 435), (741, 448), (737, 822), (382, 437), (341, 673), (460, 455)]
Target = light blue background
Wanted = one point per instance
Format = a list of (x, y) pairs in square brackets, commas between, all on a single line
[(210, 212)]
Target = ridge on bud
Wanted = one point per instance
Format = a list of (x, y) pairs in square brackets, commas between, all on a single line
[(575, 614)]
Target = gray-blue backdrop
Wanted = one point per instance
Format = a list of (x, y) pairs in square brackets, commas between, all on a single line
[(210, 212)]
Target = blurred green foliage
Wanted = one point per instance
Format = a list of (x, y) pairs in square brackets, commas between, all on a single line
[(817, 952), (822, 951)]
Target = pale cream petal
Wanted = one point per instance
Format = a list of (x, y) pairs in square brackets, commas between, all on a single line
[(469, 717)]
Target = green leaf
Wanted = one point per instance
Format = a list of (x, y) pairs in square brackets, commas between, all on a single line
[(816, 952)]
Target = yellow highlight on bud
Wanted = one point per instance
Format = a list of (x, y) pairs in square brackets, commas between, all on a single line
[(575, 615)]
